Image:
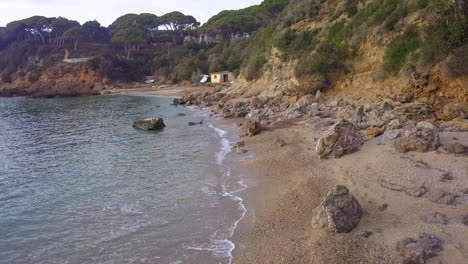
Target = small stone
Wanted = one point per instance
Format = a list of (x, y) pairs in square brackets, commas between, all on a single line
[(389, 136), (280, 142), (241, 151), (446, 176), (383, 207), (240, 144), (250, 128), (195, 123), (418, 251), (442, 197), (374, 132), (465, 219), (416, 191), (436, 218), (365, 234), (403, 98), (180, 114), (455, 148), (394, 124)]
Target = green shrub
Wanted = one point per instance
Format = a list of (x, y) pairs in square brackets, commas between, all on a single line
[(397, 52), (336, 33), (294, 44), (327, 58), (252, 68)]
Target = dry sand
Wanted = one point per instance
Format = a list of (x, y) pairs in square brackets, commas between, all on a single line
[(172, 90), (290, 181)]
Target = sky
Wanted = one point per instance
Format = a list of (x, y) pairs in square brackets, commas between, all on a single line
[(107, 11)]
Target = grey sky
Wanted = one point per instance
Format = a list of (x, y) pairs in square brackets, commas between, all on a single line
[(106, 11)]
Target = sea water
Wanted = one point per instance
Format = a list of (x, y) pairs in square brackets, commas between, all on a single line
[(79, 184)]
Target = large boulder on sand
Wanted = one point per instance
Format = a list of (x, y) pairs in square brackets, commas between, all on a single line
[(250, 128), (340, 211), (425, 138), (150, 124), (340, 139)]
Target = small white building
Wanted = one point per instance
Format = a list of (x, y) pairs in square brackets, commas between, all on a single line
[(222, 77)]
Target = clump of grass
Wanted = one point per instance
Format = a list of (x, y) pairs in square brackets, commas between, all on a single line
[(397, 52), (327, 58), (293, 44), (336, 33)]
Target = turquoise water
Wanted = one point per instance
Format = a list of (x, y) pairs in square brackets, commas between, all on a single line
[(78, 184)]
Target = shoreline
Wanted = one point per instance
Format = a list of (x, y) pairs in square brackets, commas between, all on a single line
[(290, 182)]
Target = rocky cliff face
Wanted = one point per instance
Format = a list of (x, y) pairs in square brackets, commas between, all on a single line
[(363, 76), (57, 79)]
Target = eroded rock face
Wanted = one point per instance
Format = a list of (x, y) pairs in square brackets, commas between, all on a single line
[(150, 124), (340, 139), (417, 251), (423, 139), (340, 211), (251, 128)]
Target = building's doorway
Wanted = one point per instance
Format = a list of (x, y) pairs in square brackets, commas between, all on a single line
[(225, 78)]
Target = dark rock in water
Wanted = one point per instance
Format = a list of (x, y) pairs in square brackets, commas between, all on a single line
[(423, 139), (455, 148), (436, 218), (340, 211), (180, 114), (195, 123), (340, 139), (418, 251), (251, 128), (150, 124)]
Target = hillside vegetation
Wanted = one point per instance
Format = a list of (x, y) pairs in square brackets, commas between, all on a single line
[(278, 47)]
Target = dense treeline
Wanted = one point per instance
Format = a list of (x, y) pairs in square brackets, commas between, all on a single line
[(169, 47), (139, 44)]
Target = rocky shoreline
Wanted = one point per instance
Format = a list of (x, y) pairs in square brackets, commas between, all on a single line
[(341, 130)]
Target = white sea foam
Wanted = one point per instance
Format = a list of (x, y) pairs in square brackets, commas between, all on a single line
[(225, 247)]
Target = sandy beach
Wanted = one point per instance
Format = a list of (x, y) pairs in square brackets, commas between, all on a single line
[(170, 90), (287, 182), (292, 181)]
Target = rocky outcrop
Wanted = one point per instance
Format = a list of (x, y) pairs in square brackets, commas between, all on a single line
[(425, 138), (340, 139), (150, 124), (339, 211), (250, 128), (411, 112), (418, 251)]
